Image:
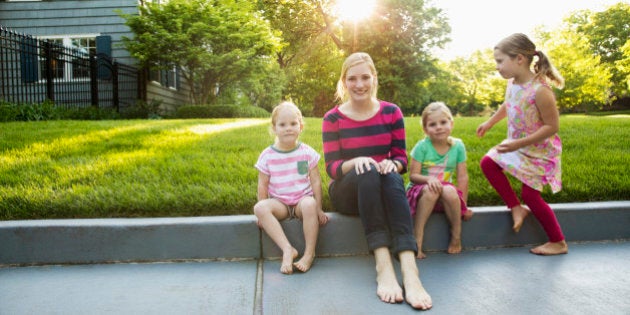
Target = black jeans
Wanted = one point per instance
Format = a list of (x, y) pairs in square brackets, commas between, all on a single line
[(381, 203)]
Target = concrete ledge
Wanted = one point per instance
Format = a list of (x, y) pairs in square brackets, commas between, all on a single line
[(115, 240), (489, 227), (237, 237)]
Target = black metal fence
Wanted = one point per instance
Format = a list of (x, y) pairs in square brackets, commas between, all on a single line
[(33, 70)]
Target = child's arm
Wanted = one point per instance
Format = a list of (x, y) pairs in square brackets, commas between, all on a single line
[(546, 104), (416, 177), (263, 186), (462, 180), (488, 124)]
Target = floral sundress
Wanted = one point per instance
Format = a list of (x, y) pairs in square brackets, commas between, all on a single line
[(538, 164)]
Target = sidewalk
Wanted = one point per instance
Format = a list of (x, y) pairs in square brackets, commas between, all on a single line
[(88, 267)]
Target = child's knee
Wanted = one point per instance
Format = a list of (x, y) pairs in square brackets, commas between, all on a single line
[(428, 194), (449, 193)]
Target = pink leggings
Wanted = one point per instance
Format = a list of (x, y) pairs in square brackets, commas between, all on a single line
[(531, 197)]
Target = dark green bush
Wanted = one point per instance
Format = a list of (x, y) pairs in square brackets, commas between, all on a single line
[(220, 111), (89, 113), (8, 112)]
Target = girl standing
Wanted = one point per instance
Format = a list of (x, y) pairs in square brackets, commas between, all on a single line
[(289, 186), (435, 161), (532, 150)]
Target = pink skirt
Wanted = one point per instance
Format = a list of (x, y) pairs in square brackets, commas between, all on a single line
[(415, 192)]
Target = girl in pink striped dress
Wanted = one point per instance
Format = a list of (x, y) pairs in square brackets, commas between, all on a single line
[(289, 186)]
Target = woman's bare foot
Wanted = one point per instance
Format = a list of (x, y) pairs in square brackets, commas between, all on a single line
[(416, 295), (287, 261), (305, 263), (421, 254), (468, 215), (455, 246), (388, 289), (519, 213), (551, 248)]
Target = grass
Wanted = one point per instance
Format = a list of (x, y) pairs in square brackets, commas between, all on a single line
[(79, 169)]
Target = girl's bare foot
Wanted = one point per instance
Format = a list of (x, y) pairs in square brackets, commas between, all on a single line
[(468, 215), (287, 261), (421, 254), (305, 263), (551, 248), (416, 295), (455, 246), (519, 213)]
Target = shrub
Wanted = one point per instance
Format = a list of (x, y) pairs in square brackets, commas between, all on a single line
[(89, 113)]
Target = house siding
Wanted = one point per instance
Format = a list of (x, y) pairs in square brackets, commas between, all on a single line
[(77, 17)]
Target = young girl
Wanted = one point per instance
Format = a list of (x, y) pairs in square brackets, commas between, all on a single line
[(435, 161), (531, 152), (289, 186)]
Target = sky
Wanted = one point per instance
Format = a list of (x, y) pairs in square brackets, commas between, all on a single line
[(480, 24)]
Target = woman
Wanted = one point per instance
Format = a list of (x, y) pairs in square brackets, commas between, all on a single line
[(365, 153)]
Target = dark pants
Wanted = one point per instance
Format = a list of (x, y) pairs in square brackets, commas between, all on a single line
[(381, 203)]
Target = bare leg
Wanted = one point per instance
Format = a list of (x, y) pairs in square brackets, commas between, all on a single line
[(452, 209), (307, 209), (415, 294), (388, 289), (268, 212), (551, 248), (423, 212), (519, 213)]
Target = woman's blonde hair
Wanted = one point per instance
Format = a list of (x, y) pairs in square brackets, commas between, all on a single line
[(519, 43), (433, 108), (354, 60)]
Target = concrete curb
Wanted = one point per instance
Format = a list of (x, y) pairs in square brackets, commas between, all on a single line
[(84, 241)]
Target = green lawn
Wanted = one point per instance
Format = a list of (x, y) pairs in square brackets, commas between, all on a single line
[(81, 169)]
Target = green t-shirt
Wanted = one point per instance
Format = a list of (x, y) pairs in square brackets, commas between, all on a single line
[(437, 165)]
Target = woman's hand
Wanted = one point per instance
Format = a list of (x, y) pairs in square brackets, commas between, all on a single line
[(387, 166), (362, 164)]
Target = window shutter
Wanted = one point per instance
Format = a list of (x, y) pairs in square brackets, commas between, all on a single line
[(28, 59), (104, 56)]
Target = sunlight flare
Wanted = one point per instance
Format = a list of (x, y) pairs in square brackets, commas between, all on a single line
[(355, 10)]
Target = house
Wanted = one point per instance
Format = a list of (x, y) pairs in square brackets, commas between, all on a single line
[(91, 26)]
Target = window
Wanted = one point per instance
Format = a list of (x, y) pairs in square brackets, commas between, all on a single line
[(69, 57), (166, 78)]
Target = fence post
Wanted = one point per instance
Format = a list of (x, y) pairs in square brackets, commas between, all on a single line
[(50, 87), (93, 79), (115, 86)]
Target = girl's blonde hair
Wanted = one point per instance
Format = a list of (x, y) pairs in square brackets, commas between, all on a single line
[(354, 60), (285, 105), (288, 105), (439, 107), (519, 43)]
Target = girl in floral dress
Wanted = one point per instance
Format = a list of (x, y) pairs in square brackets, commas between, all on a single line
[(532, 150)]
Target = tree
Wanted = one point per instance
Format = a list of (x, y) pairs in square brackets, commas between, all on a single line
[(607, 32), (216, 43), (473, 77), (398, 36), (587, 81)]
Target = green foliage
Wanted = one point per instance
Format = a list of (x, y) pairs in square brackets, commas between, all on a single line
[(29, 112), (198, 167), (607, 32), (8, 112), (220, 111), (215, 42), (89, 113)]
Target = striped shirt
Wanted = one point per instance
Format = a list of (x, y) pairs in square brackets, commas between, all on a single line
[(288, 172), (380, 137)]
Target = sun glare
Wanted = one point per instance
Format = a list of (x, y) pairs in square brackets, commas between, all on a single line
[(355, 10)]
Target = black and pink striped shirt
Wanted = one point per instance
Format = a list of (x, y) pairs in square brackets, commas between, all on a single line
[(380, 137)]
